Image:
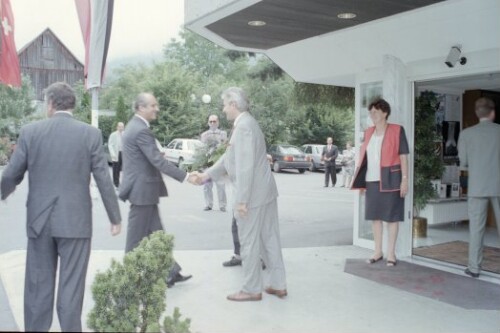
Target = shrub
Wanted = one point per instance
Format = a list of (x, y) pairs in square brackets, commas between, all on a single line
[(131, 296)]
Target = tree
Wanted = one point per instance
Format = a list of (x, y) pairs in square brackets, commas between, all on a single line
[(123, 113), (15, 108), (130, 296), (83, 107)]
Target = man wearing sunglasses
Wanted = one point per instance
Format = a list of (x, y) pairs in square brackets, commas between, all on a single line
[(213, 138)]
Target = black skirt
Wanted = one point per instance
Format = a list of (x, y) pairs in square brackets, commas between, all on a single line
[(384, 206)]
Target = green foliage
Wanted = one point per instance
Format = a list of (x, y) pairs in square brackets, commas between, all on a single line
[(123, 113), (15, 107), (130, 296), (107, 125), (320, 121), (174, 324), (428, 165), (288, 112), (83, 107), (204, 158), (332, 95), (5, 150)]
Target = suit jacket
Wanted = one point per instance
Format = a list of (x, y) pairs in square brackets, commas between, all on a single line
[(479, 152), (142, 182), (333, 153), (245, 162), (60, 154)]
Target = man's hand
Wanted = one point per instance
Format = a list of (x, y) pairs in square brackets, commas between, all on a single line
[(197, 178), (116, 229), (193, 178), (242, 210)]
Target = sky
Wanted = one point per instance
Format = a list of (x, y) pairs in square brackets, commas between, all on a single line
[(140, 28)]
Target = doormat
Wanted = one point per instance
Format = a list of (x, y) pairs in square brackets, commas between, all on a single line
[(457, 252), (457, 290)]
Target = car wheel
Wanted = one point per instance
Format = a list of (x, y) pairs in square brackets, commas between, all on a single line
[(276, 167), (302, 170), (313, 167)]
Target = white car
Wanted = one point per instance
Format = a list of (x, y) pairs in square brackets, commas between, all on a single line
[(181, 151)]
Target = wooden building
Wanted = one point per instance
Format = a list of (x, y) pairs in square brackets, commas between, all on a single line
[(47, 60)]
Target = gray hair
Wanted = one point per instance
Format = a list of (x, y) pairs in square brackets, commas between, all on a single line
[(484, 106), (141, 100), (238, 96), (61, 95)]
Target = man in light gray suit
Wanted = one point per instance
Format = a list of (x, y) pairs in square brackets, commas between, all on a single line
[(60, 154), (479, 153), (255, 200), (142, 183)]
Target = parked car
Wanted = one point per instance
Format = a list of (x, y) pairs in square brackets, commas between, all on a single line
[(314, 152), (288, 157), (181, 151)]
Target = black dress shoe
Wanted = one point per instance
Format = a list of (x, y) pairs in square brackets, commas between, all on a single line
[(471, 274), (232, 262), (177, 278), (207, 208)]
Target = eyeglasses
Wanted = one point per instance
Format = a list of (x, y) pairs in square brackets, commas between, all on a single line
[(212, 121)]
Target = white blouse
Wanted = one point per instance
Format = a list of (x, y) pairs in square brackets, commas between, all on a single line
[(373, 151)]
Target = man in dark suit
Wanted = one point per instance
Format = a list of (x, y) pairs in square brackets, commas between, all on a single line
[(142, 183), (330, 153), (60, 154)]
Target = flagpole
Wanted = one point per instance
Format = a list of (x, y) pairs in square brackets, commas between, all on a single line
[(94, 120)]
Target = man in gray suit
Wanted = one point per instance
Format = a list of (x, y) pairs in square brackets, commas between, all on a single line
[(142, 183), (479, 153), (255, 199), (60, 154)]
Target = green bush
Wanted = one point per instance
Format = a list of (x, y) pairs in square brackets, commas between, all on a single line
[(131, 296)]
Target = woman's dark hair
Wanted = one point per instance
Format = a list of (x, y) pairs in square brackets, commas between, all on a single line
[(382, 105)]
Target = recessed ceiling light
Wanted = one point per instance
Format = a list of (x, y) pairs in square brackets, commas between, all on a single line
[(256, 23), (346, 16)]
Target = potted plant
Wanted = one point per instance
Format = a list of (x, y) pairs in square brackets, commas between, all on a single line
[(428, 164)]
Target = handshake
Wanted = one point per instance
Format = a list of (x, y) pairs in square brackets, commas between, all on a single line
[(197, 178)]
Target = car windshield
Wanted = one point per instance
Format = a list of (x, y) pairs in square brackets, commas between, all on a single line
[(290, 150)]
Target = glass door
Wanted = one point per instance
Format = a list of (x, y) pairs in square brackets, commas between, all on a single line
[(363, 235)]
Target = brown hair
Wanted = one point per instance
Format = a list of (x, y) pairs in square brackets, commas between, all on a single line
[(484, 106), (382, 105)]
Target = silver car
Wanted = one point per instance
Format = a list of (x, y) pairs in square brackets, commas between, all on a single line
[(182, 151), (314, 152)]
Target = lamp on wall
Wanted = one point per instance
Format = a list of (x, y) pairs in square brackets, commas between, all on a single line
[(454, 56)]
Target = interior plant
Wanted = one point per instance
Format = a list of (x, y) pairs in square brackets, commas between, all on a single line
[(428, 164), (131, 295)]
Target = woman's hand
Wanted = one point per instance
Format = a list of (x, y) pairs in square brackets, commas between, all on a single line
[(403, 188)]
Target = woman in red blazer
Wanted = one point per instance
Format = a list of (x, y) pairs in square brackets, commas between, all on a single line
[(382, 171)]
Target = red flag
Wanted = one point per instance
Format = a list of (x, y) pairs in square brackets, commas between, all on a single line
[(9, 62), (95, 18)]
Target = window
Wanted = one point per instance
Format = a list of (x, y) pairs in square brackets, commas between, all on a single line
[(171, 145), (178, 145)]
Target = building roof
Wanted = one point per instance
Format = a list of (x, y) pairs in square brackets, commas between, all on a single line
[(306, 40), (58, 40)]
